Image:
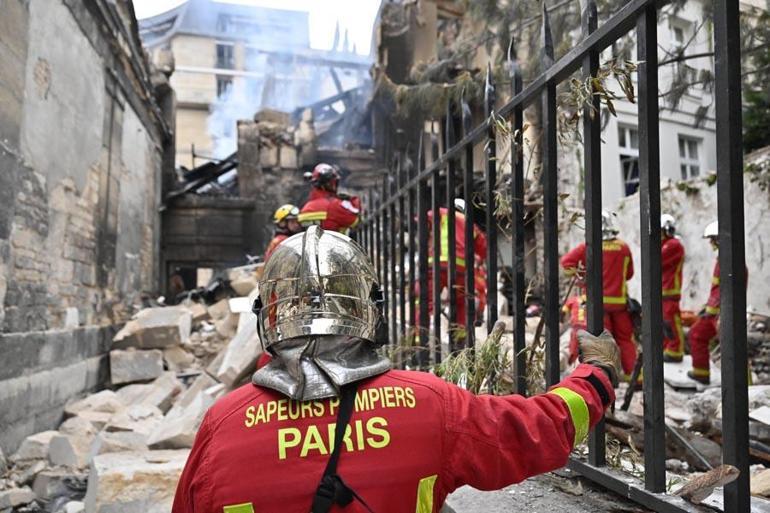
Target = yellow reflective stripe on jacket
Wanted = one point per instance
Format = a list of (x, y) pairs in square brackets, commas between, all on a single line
[(715, 280), (578, 410), (246, 507), (309, 217), (713, 310), (444, 242), (425, 494), (459, 261), (623, 298)]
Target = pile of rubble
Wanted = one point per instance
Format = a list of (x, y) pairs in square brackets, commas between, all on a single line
[(123, 448)]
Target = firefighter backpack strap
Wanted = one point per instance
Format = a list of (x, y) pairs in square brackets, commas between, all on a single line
[(332, 489)]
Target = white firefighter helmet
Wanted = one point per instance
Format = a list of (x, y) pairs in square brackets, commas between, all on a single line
[(460, 205), (609, 229), (668, 224), (318, 283), (711, 230)]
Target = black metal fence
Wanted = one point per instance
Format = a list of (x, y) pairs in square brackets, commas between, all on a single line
[(395, 234)]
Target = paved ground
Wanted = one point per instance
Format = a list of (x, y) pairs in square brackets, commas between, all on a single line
[(549, 493)]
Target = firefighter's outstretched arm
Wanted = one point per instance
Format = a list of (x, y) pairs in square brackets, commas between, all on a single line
[(573, 262), (495, 441)]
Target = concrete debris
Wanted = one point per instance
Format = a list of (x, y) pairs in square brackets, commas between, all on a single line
[(34, 447), (219, 310), (227, 326), (131, 365), (105, 401), (118, 441), (155, 328), (71, 447), (760, 483), (74, 507), (244, 279), (240, 355), (3, 463), (54, 483), (178, 431), (23, 476), (16, 497), (160, 393), (132, 482), (177, 358), (139, 418), (199, 312)]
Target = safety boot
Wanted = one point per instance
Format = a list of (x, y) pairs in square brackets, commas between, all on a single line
[(703, 379)]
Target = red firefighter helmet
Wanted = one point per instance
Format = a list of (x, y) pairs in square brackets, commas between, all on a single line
[(325, 176)]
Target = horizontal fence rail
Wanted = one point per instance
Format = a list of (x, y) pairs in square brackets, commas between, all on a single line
[(412, 223)]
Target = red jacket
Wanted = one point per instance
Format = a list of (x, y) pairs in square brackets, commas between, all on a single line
[(672, 261), (479, 240), (331, 212), (276, 240), (414, 438), (617, 269)]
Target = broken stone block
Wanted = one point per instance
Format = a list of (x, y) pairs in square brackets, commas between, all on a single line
[(213, 367), (97, 419), (198, 386), (268, 156), (240, 356), (155, 328), (53, 483), (760, 483), (242, 279), (16, 497), (28, 474), (288, 157), (178, 431), (74, 507), (119, 441), (34, 447), (139, 418), (219, 310), (160, 393), (3, 463), (227, 327), (105, 401), (70, 451), (177, 359), (199, 312), (134, 482), (135, 365)]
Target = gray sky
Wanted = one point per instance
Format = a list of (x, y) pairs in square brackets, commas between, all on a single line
[(357, 16)]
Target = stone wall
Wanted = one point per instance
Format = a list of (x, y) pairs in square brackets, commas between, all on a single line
[(81, 152), (82, 146)]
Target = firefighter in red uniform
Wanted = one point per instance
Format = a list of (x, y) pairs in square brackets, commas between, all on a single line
[(617, 269), (671, 262), (706, 328), (286, 224), (575, 307), (327, 426), (327, 208), (479, 255)]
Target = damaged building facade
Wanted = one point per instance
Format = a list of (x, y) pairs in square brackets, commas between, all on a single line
[(86, 129)]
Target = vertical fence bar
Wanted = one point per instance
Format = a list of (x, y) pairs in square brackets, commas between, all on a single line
[(394, 235), (422, 266), (436, 236), (470, 217), (384, 248), (449, 141), (414, 169), (378, 237), (491, 221), (517, 229), (649, 206), (370, 226), (381, 240), (593, 215), (732, 258), (550, 212), (403, 163)]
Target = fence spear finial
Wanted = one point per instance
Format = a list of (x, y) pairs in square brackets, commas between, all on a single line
[(589, 17), (489, 90), (547, 40), (466, 114)]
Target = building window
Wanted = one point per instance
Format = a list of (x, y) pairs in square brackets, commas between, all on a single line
[(225, 56), (689, 163), (224, 85), (628, 148)]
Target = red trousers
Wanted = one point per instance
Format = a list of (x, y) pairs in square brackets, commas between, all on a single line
[(443, 281), (673, 336), (701, 334), (620, 324)]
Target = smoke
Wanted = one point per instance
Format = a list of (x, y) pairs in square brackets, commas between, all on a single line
[(282, 78)]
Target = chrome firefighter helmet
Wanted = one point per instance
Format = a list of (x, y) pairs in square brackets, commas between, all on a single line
[(324, 176), (668, 224), (319, 283), (609, 229), (460, 205), (285, 212)]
